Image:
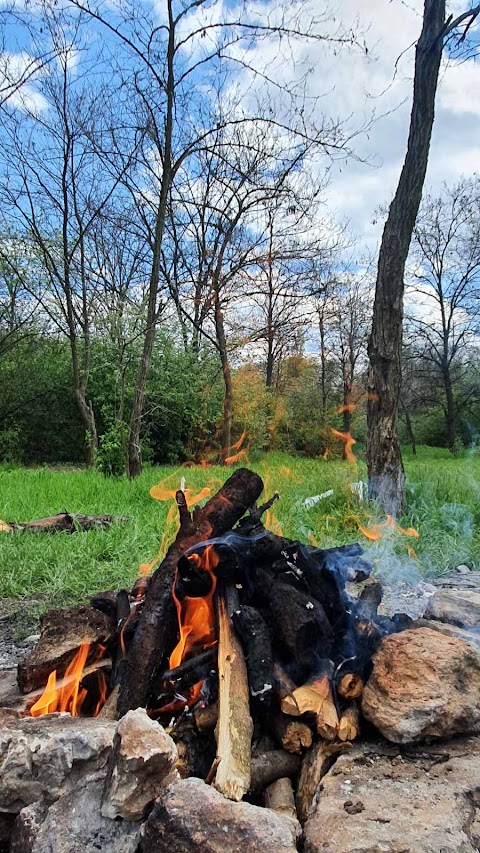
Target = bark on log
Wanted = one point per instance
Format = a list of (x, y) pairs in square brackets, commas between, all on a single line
[(255, 636), (315, 765), (279, 797), (267, 767), (206, 718), (235, 726), (157, 624)]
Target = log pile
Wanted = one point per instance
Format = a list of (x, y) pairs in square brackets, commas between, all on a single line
[(248, 649)]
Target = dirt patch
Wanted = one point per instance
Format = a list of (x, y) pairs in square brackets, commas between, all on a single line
[(18, 628)]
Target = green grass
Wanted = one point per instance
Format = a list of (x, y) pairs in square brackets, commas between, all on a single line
[(444, 506)]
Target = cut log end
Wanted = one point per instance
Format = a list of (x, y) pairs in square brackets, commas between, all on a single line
[(350, 686)]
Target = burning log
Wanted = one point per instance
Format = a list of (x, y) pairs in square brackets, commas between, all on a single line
[(293, 735), (279, 797), (255, 636), (192, 670), (267, 767), (156, 629), (349, 725), (235, 726), (316, 763), (316, 698)]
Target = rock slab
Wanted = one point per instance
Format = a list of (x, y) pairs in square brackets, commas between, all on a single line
[(191, 817), (374, 800), (143, 758), (43, 757), (459, 607), (74, 824), (423, 685)]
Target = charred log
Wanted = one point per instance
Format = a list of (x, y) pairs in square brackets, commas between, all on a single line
[(156, 629), (255, 636)]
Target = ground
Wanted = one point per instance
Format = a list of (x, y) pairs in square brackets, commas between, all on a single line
[(46, 569)]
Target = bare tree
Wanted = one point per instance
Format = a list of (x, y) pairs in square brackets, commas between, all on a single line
[(53, 184), (443, 320), (172, 68), (384, 460)]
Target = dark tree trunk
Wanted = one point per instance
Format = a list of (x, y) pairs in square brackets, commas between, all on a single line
[(134, 456), (226, 373), (323, 365), (386, 478), (450, 410), (411, 434)]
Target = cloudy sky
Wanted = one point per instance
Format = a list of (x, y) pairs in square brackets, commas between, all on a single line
[(383, 82)]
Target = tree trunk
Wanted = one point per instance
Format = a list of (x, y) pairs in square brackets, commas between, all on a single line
[(323, 364), (386, 478), (227, 375), (411, 434), (134, 456), (450, 410)]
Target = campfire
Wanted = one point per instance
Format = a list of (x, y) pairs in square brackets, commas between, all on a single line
[(249, 648)]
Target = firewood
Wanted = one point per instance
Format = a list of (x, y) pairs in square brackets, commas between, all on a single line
[(255, 636), (267, 767), (315, 764), (293, 735), (282, 683), (350, 686), (315, 698), (235, 727), (192, 670), (109, 710), (156, 630), (279, 797), (206, 718), (349, 725), (22, 702), (297, 621), (65, 522)]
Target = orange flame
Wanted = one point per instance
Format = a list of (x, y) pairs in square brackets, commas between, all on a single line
[(68, 697), (376, 531), (347, 407), (348, 442), (196, 618)]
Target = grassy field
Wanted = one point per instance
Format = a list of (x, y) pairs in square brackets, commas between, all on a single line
[(443, 496)]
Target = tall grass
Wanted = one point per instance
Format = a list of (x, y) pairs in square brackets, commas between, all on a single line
[(443, 496)]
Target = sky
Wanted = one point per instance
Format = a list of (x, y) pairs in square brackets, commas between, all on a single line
[(358, 189)]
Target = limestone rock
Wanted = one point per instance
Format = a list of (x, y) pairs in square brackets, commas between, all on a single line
[(457, 606), (375, 801), (27, 826), (423, 684), (191, 817), (61, 634), (143, 758), (74, 824), (42, 757)]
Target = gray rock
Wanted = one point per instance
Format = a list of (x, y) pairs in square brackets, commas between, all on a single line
[(191, 817), (27, 826), (43, 757), (143, 758), (375, 801), (472, 637), (74, 824), (423, 684), (458, 581), (457, 606)]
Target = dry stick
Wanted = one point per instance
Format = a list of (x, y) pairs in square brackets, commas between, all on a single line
[(316, 763), (293, 735), (235, 727), (349, 725), (350, 686), (279, 797), (316, 698)]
